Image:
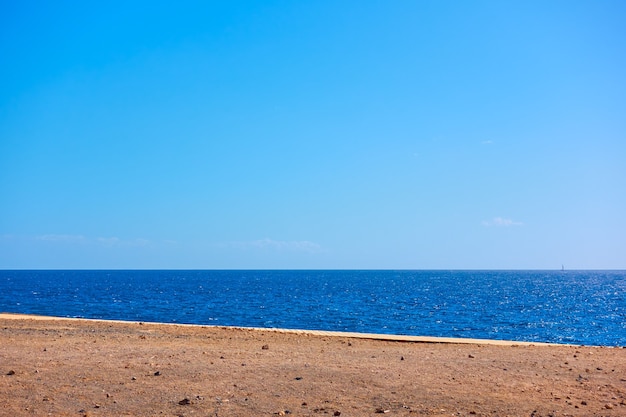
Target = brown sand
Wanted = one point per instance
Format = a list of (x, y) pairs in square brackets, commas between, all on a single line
[(98, 368)]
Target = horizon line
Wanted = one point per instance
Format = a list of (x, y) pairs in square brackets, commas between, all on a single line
[(313, 269)]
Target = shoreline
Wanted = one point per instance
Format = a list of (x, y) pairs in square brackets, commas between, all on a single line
[(355, 335)]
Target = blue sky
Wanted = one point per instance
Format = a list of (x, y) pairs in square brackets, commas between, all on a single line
[(313, 134)]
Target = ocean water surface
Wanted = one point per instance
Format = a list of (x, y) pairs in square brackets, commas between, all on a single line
[(576, 307)]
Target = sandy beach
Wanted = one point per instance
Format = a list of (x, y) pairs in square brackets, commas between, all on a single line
[(71, 367)]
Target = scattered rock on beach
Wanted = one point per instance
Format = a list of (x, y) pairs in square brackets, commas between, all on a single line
[(184, 401), (265, 347), (11, 372)]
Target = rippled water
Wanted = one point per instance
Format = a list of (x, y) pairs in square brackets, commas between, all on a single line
[(580, 307)]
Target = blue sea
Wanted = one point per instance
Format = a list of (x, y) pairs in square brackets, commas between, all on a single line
[(574, 307)]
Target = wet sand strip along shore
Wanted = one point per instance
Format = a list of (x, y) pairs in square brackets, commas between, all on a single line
[(372, 336)]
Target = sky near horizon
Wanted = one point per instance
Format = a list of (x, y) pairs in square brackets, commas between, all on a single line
[(313, 134)]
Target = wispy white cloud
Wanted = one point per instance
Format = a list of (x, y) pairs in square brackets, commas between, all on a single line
[(486, 142), (62, 238), (116, 241), (501, 222), (80, 239), (108, 241), (278, 245)]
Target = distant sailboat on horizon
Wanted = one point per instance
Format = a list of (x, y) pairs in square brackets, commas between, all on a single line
[(562, 268)]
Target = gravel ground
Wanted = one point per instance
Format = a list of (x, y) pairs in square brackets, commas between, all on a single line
[(63, 367)]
